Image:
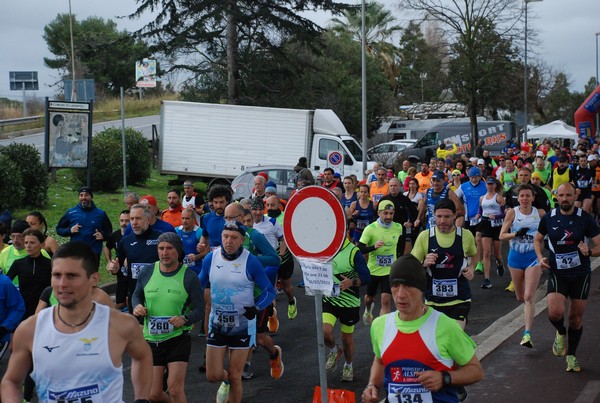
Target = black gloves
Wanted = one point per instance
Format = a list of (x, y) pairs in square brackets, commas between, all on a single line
[(250, 312), (522, 232)]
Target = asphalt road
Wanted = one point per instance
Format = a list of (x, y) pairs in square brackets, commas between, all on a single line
[(143, 124)]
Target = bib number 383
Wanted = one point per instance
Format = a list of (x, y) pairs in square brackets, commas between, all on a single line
[(445, 288)]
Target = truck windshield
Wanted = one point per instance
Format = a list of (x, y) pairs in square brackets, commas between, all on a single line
[(354, 149)]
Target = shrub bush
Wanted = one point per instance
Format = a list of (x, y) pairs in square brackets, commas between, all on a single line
[(107, 161), (32, 171), (12, 191)]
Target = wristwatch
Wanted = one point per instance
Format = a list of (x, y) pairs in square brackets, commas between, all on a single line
[(446, 378)]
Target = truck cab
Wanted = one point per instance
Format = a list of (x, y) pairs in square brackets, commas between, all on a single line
[(329, 134)]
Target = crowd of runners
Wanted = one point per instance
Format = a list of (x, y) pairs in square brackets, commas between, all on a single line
[(416, 240)]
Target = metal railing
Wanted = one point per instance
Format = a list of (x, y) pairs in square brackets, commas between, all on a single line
[(18, 121)]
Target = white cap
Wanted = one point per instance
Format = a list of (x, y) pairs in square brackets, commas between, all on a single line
[(473, 159), (592, 157), (480, 162), (539, 153)]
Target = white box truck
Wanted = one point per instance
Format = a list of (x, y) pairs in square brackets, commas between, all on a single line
[(219, 141)]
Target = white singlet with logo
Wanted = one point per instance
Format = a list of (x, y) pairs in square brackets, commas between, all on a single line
[(75, 367)]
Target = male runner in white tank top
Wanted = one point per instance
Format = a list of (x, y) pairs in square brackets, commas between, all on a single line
[(76, 347)]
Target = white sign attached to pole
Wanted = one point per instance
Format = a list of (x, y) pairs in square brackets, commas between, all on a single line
[(317, 276)]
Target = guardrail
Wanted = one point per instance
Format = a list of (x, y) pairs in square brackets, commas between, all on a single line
[(18, 121)]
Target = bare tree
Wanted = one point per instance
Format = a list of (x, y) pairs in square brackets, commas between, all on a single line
[(463, 23)]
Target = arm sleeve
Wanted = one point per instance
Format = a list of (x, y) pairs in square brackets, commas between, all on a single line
[(63, 228), (268, 256), (364, 249), (194, 289), (138, 293), (542, 228), (205, 272), (121, 255), (14, 305), (45, 296), (255, 272), (106, 226), (360, 266)]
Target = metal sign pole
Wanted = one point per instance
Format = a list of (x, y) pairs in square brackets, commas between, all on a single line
[(123, 141), (321, 344), (24, 100)]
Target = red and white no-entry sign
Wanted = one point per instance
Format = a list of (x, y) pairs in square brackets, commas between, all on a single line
[(314, 224)]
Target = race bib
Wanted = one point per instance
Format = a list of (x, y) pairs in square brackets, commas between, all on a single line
[(385, 260), (361, 224), (377, 197), (445, 287), (582, 183), (408, 393), (188, 262), (335, 292), (474, 221), (136, 269), (567, 260), (227, 319), (160, 325), (497, 222)]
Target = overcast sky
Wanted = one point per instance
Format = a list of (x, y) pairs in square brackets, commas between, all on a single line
[(566, 33)]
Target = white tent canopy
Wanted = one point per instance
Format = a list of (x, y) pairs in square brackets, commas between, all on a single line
[(555, 130)]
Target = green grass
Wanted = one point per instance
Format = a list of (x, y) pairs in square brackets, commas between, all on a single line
[(63, 195)]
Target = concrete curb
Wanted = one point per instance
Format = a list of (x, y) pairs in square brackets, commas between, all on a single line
[(491, 338)]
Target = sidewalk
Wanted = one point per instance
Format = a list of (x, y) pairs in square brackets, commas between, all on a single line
[(518, 374)]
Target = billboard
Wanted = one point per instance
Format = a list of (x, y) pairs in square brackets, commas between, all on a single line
[(68, 134), (145, 73), (23, 80)]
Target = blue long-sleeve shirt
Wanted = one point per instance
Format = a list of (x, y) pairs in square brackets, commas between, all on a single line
[(12, 306), (260, 247), (90, 219)]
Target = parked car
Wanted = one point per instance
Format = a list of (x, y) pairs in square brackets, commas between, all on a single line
[(243, 184), (386, 153)]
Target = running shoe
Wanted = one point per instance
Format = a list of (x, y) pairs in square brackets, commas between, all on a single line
[(526, 340), (487, 284), (347, 373), (479, 268), (273, 322), (510, 287), (558, 347), (332, 359), (247, 371), (223, 393), (461, 393), (301, 284), (368, 315), (572, 364), (499, 268), (276, 365), (292, 310)]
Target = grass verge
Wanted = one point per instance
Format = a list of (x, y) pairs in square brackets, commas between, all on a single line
[(63, 195)]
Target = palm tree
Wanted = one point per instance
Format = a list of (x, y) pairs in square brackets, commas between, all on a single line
[(379, 28)]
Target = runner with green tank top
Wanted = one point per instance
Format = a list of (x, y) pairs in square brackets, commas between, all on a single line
[(380, 240), (349, 272), (168, 296)]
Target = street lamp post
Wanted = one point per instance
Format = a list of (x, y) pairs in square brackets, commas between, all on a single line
[(423, 77), (525, 75)]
